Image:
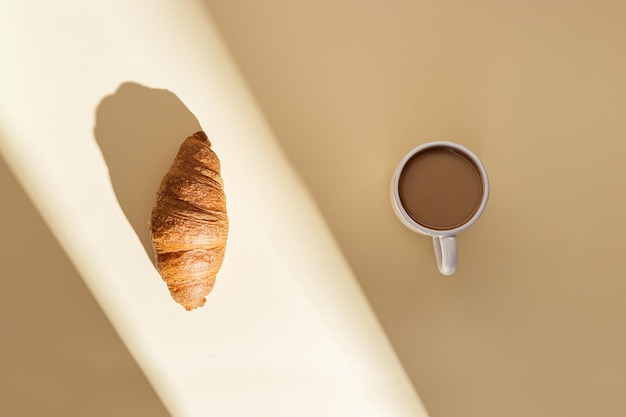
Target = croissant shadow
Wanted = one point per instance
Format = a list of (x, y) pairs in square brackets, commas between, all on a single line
[(139, 130)]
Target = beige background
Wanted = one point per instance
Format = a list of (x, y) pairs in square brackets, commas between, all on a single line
[(532, 324)]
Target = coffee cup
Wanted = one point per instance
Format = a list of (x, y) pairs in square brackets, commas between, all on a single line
[(440, 189)]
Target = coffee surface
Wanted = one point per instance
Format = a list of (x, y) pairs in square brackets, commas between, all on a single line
[(440, 188)]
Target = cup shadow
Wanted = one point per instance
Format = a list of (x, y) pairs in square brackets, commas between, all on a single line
[(139, 130)]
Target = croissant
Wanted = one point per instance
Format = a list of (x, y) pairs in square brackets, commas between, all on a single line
[(188, 224)]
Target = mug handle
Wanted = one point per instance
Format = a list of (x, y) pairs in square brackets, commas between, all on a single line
[(445, 252)]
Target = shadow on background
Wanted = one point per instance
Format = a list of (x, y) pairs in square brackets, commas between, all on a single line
[(59, 355), (139, 130)]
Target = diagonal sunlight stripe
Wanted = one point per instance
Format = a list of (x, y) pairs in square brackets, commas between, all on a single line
[(286, 331)]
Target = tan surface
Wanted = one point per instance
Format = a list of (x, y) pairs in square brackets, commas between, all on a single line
[(532, 324), (59, 356)]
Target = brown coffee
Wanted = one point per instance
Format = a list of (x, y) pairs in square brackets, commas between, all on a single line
[(440, 188)]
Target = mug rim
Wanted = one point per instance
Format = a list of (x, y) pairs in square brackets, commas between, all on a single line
[(404, 216)]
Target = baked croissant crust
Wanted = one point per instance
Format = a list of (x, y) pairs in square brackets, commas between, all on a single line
[(189, 225)]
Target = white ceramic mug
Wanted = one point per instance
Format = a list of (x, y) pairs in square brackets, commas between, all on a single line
[(444, 240)]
